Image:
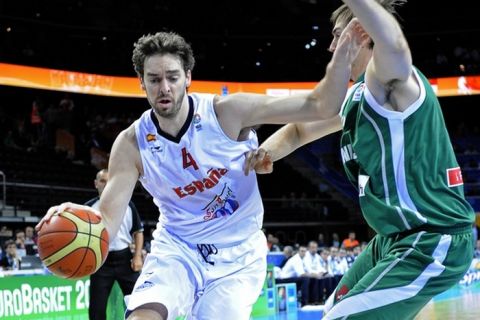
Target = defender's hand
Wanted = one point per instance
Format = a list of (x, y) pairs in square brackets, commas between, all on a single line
[(258, 160), (137, 263)]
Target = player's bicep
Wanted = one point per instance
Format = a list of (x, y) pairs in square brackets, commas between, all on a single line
[(253, 109), (282, 110)]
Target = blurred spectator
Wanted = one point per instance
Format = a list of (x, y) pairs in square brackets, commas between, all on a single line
[(321, 281), (295, 266), (351, 241), (293, 202), (52, 120), (350, 257), (288, 253), (18, 138), (10, 259), (30, 241), (321, 241), (66, 107), (294, 271), (30, 236), (339, 264), (36, 122), (477, 250), (20, 242), (272, 243), (312, 260), (335, 240), (356, 251), (328, 284)]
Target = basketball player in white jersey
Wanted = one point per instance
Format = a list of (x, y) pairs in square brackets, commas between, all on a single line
[(208, 256)]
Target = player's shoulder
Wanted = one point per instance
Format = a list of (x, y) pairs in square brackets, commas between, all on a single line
[(200, 97), (126, 139), (128, 134)]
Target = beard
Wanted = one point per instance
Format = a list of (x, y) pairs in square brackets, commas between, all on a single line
[(172, 112)]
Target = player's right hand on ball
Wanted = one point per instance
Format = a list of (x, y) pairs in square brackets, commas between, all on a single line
[(63, 207), (258, 160)]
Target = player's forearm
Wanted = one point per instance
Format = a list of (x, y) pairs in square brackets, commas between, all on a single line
[(113, 206), (392, 58), (294, 135), (138, 240), (283, 142), (330, 92), (380, 25)]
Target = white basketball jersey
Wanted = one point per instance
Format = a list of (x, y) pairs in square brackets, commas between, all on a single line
[(197, 179)]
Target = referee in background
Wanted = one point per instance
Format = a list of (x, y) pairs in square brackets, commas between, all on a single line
[(121, 264)]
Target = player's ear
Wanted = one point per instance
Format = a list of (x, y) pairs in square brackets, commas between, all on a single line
[(142, 83), (188, 82)]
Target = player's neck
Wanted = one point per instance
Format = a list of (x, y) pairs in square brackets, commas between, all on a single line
[(173, 125)]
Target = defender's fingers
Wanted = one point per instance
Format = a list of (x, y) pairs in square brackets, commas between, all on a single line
[(246, 164)]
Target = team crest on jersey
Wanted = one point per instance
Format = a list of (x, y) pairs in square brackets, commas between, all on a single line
[(358, 92), (196, 121), (151, 137), (222, 205), (454, 177)]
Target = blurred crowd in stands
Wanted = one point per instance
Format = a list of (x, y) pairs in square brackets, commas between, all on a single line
[(14, 245), (317, 266), (57, 123)]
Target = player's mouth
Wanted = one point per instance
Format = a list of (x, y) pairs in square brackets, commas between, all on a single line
[(164, 102)]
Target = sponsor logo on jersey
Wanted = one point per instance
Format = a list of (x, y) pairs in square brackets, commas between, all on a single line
[(155, 149), (362, 182), (358, 92), (151, 137), (454, 177), (222, 205), (144, 286), (210, 181)]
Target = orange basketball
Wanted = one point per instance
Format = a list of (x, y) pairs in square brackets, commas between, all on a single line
[(73, 243)]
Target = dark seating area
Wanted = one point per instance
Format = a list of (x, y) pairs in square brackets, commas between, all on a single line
[(293, 196), (44, 175)]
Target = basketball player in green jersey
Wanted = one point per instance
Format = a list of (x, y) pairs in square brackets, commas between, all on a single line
[(396, 150)]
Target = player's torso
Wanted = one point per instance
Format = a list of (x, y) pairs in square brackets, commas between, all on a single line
[(402, 163), (197, 178)]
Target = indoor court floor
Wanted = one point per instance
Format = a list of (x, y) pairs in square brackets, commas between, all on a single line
[(459, 303)]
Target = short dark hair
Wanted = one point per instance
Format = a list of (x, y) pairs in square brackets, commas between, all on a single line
[(162, 43), (9, 242)]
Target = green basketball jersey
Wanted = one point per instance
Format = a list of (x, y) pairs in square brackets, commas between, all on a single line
[(402, 163)]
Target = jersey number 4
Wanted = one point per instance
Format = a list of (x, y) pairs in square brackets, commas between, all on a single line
[(188, 160)]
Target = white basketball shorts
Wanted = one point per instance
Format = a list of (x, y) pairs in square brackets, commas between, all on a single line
[(202, 282)]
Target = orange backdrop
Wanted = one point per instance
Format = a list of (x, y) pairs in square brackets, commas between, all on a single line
[(61, 80)]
